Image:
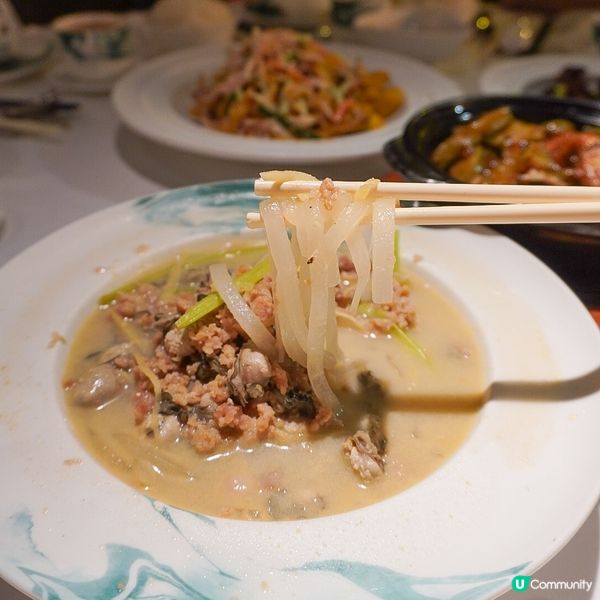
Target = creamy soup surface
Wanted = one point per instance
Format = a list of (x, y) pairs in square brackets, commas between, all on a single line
[(427, 409)]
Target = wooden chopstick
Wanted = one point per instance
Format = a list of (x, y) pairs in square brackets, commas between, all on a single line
[(55, 103), (566, 207), (492, 214), (30, 127), (447, 192)]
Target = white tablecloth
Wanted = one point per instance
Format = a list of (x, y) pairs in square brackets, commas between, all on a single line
[(97, 163)]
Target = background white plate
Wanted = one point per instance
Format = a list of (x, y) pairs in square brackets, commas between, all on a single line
[(155, 97), (512, 75), (512, 496)]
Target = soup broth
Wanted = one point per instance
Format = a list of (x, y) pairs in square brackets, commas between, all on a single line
[(427, 406)]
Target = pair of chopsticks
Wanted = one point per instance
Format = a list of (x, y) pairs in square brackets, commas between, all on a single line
[(30, 127), (49, 103), (498, 204), (28, 116)]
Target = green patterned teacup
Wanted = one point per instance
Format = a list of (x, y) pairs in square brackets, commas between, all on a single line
[(93, 36)]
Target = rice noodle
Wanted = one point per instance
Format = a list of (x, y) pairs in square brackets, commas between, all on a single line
[(290, 212), (303, 273), (286, 272), (240, 310), (277, 325), (322, 327), (281, 176), (156, 388), (348, 220), (383, 250), (306, 268), (331, 340), (286, 334), (359, 253), (342, 200), (317, 329), (141, 346), (310, 217)]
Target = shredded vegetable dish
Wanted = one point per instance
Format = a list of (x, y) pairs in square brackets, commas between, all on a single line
[(497, 147), (283, 84)]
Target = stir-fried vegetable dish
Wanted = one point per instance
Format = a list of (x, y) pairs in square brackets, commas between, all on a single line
[(283, 84), (497, 147)]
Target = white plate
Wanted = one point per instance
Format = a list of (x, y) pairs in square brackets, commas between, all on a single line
[(512, 496), (154, 100), (512, 75)]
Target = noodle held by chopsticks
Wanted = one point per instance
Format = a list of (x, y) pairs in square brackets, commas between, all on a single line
[(288, 301), (240, 310), (382, 241), (306, 268)]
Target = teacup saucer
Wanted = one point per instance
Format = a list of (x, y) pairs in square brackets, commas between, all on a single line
[(90, 77)]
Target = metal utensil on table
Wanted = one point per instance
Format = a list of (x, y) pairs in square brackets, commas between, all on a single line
[(30, 127), (34, 107), (30, 115)]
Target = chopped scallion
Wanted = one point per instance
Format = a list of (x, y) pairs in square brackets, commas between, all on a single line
[(244, 282), (402, 336)]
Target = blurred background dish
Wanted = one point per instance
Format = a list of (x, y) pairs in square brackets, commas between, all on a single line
[(9, 29), (97, 49), (24, 51), (101, 46), (574, 81), (573, 251), (156, 97), (410, 153), (306, 15), (93, 36), (176, 24), (283, 84), (532, 75), (429, 30), (35, 51)]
